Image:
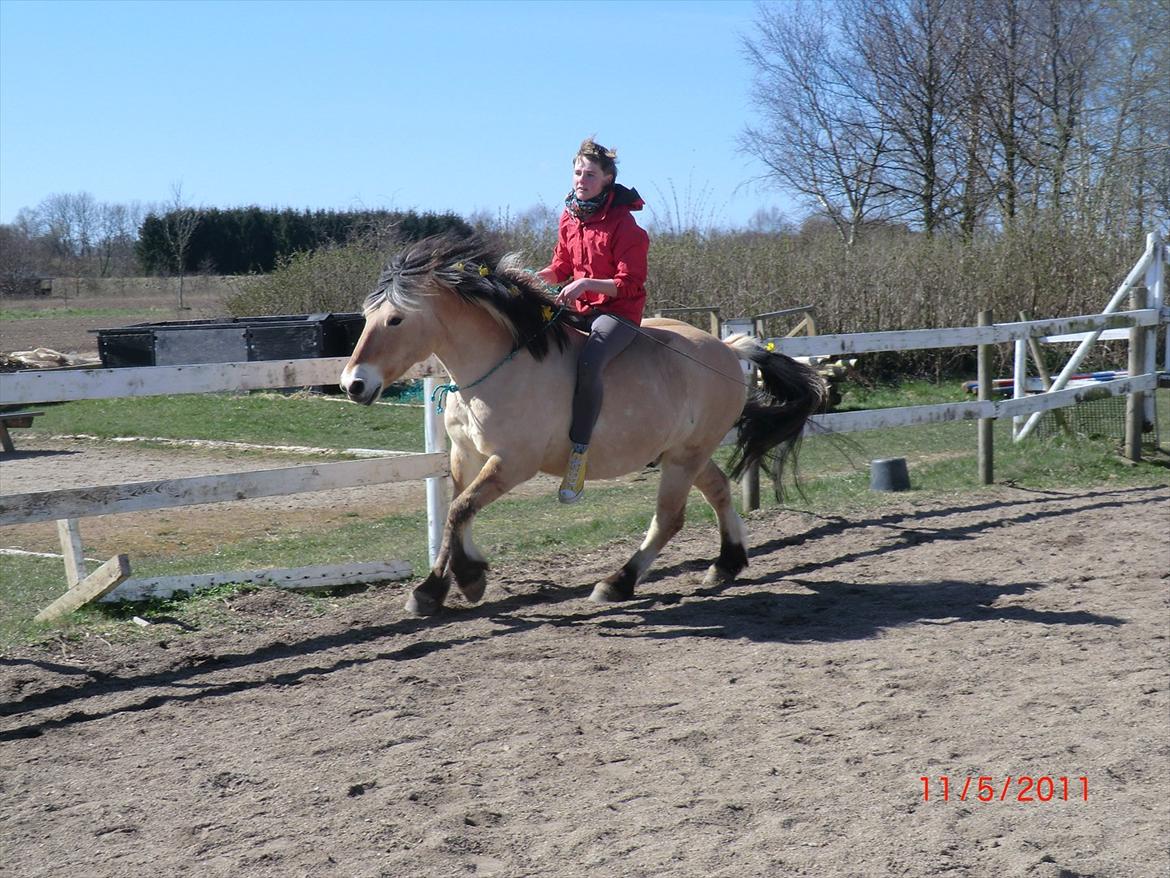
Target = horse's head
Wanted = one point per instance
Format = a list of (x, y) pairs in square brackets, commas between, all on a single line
[(398, 333), (421, 298)]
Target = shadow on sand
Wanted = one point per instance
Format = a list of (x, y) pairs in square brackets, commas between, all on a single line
[(824, 611)]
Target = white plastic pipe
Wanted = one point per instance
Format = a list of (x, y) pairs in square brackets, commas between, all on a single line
[(435, 434), (1020, 383)]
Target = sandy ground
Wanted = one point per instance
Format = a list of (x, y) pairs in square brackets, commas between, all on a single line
[(777, 726)]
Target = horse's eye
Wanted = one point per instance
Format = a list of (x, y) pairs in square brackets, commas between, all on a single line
[(393, 321)]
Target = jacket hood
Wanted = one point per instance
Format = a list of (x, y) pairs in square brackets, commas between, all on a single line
[(626, 197)]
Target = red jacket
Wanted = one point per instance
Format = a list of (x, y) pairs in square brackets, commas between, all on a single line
[(609, 245)]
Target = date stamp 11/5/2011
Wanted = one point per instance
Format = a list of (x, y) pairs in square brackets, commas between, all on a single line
[(1012, 788)]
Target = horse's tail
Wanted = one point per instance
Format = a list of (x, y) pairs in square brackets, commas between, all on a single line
[(773, 418)]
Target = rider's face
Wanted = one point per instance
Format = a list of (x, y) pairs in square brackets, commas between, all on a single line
[(588, 179)]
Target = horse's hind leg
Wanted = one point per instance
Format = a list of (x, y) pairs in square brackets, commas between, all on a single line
[(732, 534), (668, 520)]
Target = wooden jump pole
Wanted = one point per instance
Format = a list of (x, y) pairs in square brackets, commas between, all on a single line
[(1082, 350), (986, 425)]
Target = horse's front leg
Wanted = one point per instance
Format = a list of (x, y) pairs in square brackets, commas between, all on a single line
[(458, 556)]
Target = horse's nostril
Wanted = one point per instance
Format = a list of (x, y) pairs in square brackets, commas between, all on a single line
[(357, 387)]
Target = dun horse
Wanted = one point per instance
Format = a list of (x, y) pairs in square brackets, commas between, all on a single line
[(670, 398)]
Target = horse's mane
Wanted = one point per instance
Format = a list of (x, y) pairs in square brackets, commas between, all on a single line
[(480, 273)]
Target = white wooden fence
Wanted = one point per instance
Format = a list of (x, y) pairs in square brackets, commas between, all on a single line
[(68, 505), (925, 339), (1140, 325)]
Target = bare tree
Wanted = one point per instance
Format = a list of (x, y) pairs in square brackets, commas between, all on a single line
[(1005, 59), (67, 223), (967, 113), (816, 138), (118, 226), (179, 225), (20, 262), (769, 221), (1066, 40), (1125, 137), (911, 60)]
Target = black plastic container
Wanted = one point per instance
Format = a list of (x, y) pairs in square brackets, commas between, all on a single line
[(230, 340), (889, 474)]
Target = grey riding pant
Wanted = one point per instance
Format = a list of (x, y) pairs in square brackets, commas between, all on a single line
[(608, 337)]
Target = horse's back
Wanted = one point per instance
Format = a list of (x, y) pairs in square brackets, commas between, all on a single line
[(675, 387), (678, 342)]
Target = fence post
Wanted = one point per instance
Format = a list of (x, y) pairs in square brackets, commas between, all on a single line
[(436, 440), (72, 551), (986, 393), (1135, 401), (750, 488)]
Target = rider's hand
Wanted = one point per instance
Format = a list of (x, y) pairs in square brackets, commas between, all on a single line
[(572, 291)]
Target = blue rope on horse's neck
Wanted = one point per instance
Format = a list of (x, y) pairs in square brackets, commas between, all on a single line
[(439, 394)]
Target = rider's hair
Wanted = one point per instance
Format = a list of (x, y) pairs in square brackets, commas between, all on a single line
[(606, 159)]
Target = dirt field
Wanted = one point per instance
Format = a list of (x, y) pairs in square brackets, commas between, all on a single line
[(778, 726), (73, 335)]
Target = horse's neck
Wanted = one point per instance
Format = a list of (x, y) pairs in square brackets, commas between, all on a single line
[(471, 342)]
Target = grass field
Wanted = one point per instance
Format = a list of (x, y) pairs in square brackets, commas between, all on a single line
[(261, 418), (834, 479)]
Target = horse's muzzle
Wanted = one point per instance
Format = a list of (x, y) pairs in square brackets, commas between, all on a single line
[(360, 387)]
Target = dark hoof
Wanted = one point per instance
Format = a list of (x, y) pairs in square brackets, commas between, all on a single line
[(716, 575), (473, 590), (422, 604), (618, 587), (427, 599), (731, 562)]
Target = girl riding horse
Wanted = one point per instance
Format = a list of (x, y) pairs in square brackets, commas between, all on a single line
[(513, 365), (601, 251)]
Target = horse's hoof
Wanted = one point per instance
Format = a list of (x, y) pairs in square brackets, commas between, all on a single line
[(617, 586), (716, 575), (732, 561), (606, 593), (473, 591), (421, 604)]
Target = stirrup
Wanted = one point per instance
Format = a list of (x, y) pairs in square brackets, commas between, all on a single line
[(573, 484)]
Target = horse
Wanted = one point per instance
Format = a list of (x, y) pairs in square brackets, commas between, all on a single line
[(669, 399)]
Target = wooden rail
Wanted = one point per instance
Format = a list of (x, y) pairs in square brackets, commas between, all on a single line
[(171, 493), (68, 505)]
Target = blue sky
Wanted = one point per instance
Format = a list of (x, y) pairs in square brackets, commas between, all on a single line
[(427, 105)]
